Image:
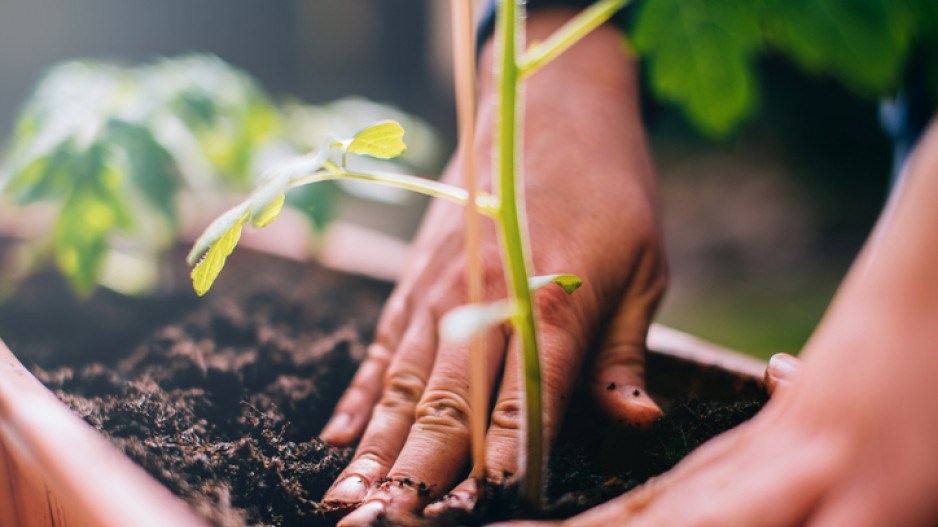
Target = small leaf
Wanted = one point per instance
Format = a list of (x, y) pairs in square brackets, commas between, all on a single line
[(269, 214), (464, 323), (217, 229), (207, 270), (569, 282), (383, 140)]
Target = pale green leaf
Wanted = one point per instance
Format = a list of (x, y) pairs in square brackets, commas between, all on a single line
[(383, 140), (218, 228), (569, 282), (270, 213), (207, 270), (464, 323)]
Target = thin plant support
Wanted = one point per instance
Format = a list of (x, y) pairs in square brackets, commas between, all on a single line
[(464, 60)]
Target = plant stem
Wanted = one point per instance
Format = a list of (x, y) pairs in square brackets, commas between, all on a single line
[(485, 203), (569, 34), (464, 81), (510, 221)]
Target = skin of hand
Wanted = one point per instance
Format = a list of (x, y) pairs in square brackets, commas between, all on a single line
[(591, 209), (849, 436)]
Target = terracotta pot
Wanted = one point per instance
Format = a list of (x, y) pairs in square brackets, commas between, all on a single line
[(57, 470)]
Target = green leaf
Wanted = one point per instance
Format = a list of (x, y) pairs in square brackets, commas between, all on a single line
[(317, 202), (464, 323), (383, 140), (863, 43), (207, 270), (270, 213), (43, 177), (569, 282), (700, 56), (151, 168), (218, 228), (80, 238)]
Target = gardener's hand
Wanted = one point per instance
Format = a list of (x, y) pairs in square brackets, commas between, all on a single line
[(591, 209), (849, 438)]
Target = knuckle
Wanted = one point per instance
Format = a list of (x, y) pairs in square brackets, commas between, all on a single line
[(623, 353), (403, 388), (507, 413), (379, 354), (444, 410), (393, 319), (369, 455)]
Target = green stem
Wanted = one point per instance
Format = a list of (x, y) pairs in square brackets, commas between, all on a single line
[(486, 203), (569, 34), (510, 221)]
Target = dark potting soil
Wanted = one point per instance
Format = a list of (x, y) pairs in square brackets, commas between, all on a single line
[(223, 405)]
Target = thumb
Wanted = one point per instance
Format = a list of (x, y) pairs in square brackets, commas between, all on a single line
[(781, 370), (619, 368)]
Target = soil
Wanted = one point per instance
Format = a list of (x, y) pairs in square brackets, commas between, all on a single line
[(221, 400)]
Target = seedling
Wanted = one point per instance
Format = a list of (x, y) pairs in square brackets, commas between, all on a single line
[(505, 207)]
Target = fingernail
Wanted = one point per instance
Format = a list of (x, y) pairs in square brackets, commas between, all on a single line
[(642, 410), (349, 490), (783, 367), (338, 424), (367, 514)]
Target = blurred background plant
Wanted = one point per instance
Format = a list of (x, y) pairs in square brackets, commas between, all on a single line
[(760, 224), (118, 151)]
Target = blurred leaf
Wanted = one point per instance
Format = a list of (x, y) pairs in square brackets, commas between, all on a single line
[(464, 323), (569, 282), (92, 210), (863, 43), (384, 140), (699, 54), (265, 216), (151, 168), (207, 270), (317, 202), (42, 178)]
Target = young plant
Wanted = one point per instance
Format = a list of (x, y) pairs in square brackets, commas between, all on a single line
[(113, 147), (505, 207)]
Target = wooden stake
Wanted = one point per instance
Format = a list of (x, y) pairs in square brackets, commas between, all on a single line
[(464, 68)]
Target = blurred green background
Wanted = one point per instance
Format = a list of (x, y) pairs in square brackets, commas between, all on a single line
[(760, 224)]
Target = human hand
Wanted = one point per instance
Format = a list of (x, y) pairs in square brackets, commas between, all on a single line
[(591, 212), (849, 435)]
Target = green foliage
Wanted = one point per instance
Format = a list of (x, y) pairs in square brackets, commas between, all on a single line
[(382, 140), (862, 43), (103, 141), (701, 53), (700, 56), (223, 108)]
